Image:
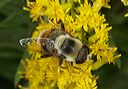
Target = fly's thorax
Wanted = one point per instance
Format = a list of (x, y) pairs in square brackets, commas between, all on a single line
[(68, 47)]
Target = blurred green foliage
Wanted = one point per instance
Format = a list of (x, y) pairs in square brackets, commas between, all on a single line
[(16, 24)]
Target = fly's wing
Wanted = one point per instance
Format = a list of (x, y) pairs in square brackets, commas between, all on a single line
[(32, 44), (26, 41)]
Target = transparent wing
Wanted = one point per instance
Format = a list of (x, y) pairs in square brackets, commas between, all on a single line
[(27, 41), (24, 42)]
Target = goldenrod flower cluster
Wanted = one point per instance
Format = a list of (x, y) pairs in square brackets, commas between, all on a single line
[(125, 2), (82, 20)]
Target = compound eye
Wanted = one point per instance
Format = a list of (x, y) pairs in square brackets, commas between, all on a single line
[(44, 47), (68, 46)]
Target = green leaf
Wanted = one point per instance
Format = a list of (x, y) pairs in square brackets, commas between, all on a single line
[(120, 36), (124, 63), (118, 63), (21, 69), (14, 25)]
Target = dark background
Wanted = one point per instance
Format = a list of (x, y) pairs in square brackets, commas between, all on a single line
[(16, 24)]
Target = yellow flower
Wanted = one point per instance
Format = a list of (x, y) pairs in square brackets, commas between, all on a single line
[(83, 21), (98, 4), (37, 8), (125, 2), (46, 74), (53, 9)]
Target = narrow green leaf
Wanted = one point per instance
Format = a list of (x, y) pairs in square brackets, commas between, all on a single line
[(19, 79), (118, 63)]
